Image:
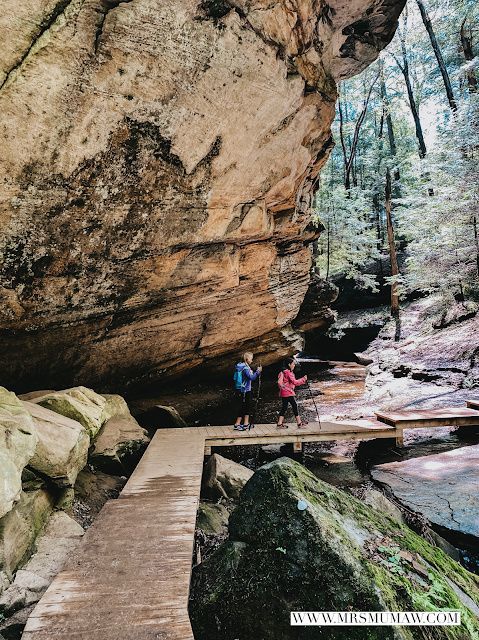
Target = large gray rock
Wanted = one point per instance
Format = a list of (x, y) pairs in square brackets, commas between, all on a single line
[(223, 478), (18, 440), (20, 526), (432, 365), (299, 544), (212, 518), (443, 487), (115, 405), (54, 545), (119, 445), (62, 447), (78, 403)]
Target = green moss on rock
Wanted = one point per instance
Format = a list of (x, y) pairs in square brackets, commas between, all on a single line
[(80, 404), (336, 554), (212, 518)]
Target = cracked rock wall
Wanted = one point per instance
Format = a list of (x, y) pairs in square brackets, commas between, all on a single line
[(157, 167)]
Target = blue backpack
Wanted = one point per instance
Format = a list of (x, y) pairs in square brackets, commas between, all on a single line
[(240, 384)]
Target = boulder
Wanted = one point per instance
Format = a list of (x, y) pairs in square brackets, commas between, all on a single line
[(18, 440), (223, 478), (80, 404), (115, 406), (26, 589), (31, 395), (62, 446), (443, 487), (299, 544), (20, 526), (212, 518), (162, 417), (119, 445), (54, 545)]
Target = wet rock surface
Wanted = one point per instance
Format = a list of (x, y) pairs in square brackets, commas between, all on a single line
[(443, 487)]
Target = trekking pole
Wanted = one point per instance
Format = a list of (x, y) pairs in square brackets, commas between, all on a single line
[(258, 392), (314, 402)]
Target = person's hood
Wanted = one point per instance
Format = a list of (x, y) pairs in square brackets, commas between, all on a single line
[(241, 365)]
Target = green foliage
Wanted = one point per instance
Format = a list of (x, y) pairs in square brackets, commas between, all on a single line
[(435, 206)]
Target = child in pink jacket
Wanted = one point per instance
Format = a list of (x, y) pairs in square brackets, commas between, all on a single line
[(287, 384)]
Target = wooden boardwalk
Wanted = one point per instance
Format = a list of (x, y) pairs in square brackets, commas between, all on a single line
[(129, 579)]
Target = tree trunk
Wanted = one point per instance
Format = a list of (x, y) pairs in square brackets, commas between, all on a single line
[(354, 144), (341, 137), (466, 43), (437, 52), (415, 112), (389, 125), (328, 249), (476, 238), (393, 256), (410, 93)]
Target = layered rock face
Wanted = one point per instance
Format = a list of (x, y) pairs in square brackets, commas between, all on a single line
[(157, 168)]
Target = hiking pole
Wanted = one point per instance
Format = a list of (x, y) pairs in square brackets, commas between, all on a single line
[(258, 392), (314, 402)]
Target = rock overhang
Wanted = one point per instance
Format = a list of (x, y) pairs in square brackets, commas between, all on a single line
[(159, 166)]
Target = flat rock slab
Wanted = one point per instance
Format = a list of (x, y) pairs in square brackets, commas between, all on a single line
[(443, 487)]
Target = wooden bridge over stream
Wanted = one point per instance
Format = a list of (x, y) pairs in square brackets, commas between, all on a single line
[(130, 578)]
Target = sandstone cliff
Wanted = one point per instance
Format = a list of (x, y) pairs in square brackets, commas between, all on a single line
[(158, 161)]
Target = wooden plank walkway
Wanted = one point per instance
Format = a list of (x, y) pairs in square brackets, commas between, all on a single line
[(364, 429), (130, 577), (420, 419)]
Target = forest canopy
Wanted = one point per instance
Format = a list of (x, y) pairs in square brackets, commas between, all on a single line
[(402, 181)]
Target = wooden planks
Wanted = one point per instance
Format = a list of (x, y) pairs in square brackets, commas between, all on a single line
[(364, 429), (130, 578), (446, 417)]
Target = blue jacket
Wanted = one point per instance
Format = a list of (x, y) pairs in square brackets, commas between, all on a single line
[(247, 373)]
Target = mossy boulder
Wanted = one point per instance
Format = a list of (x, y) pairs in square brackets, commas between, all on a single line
[(18, 439), (121, 441), (62, 447), (299, 544), (80, 404), (115, 405), (19, 528), (212, 518)]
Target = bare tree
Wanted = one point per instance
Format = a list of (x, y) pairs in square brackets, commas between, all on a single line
[(349, 158), (467, 48), (437, 52), (393, 257), (404, 67)]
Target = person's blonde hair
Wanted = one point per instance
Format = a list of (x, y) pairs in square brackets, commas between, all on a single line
[(248, 356)]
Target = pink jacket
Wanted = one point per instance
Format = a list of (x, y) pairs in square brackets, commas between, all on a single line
[(287, 382)]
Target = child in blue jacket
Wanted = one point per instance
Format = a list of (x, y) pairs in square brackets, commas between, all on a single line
[(243, 378)]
